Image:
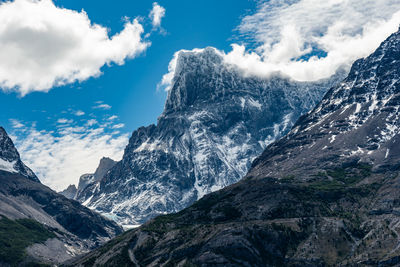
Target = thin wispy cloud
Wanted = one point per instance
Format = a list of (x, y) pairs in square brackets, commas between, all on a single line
[(79, 113), (113, 117), (91, 122), (59, 157), (16, 124), (64, 121), (118, 126), (43, 46), (102, 106)]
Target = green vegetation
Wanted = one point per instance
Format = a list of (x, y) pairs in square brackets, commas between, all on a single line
[(17, 235), (287, 179), (160, 223), (342, 177)]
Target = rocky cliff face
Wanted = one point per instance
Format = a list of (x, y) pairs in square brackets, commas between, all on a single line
[(324, 195), (215, 122), (74, 229), (91, 178), (69, 192)]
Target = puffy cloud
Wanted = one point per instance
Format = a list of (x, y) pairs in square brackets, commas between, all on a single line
[(42, 45), (156, 14), (310, 39), (307, 40), (60, 157)]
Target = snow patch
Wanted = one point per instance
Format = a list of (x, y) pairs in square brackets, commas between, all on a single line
[(387, 153), (8, 166)]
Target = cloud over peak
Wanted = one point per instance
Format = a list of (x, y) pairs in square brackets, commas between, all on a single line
[(306, 40), (310, 39), (42, 45)]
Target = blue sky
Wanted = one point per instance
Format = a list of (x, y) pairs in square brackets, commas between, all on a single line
[(130, 89), (63, 131)]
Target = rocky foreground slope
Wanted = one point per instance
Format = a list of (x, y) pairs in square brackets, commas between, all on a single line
[(215, 122), (37, 224), (326, 194)]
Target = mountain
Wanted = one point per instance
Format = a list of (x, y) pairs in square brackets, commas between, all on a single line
[(326, 194), (69, 192), (37, 224), (10, 160), (91, 178), (215, 122)]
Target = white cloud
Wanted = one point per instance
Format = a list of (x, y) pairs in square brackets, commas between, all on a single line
[(113, 117), (156, 14), (286, 36), (16, 124), (118, 126), (91, 122), (59, 158), (64, 121), (289, 33), (42, 45), (102, 106), (79, 113)]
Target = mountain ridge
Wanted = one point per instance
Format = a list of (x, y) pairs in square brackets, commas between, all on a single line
[(72, 229), (301, 203), (214, 123)]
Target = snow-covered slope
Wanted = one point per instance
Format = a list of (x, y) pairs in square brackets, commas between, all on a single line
[(215, 122), (357, 120)]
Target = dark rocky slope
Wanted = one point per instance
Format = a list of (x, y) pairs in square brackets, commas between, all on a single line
[(327, 194), (215, 122)]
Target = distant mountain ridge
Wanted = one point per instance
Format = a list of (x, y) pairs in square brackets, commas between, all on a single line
[(215, 122)]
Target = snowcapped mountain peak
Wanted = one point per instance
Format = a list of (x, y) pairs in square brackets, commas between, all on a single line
[(215, 122), (10, 160), (7, 149)]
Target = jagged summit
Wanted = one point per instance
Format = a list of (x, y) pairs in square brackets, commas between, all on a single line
[(197, 78), (10, 160), (215, 122), (105, 165)]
